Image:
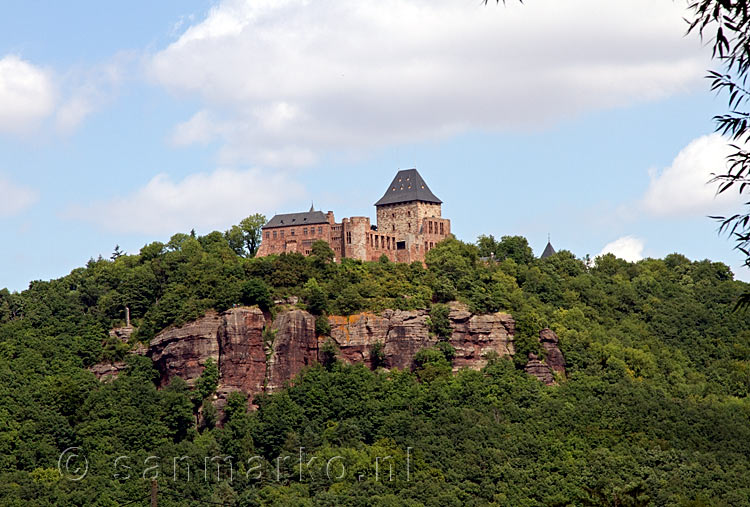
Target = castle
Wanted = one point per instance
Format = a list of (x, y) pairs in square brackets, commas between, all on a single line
[(408, 226)]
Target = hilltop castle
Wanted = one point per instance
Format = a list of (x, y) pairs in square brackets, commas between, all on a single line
[(408, 226)]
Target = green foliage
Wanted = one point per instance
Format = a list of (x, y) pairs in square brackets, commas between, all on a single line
[(321, 253), (439, 323), (244, 239), (654, 408), (431, 363), (377, 353), (208, 381), (322, 326), (509, 247), (317, 302), (349, 301), (328, 353), (255, 292)]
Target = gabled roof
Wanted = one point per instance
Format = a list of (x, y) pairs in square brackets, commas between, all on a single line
[(408, 186), (303, 218), (548, 251)]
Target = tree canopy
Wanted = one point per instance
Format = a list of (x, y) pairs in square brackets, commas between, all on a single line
[(654, 411)]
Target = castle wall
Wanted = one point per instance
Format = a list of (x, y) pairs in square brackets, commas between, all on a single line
[(297, 238), (434, 230)]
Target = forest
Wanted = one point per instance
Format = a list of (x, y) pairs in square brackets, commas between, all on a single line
[(654, 409)]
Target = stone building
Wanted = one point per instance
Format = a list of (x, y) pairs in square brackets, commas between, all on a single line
[(409, 224)]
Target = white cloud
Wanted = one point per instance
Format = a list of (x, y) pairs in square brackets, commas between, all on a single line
[(300, 76), (627, 247), (15, 198), (202, 201), (682, 189), (27, 94), (89, 89)]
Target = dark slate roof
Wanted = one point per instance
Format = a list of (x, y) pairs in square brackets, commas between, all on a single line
[(408, 186), (304, 218), (548, 250)]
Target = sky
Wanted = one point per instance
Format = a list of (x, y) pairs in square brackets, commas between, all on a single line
[(588, 120)]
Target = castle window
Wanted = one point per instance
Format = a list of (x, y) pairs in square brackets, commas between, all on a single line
[(291, 232), (393, 215), (393, 227), (282, 233), (349, 237), (425, 246), (304, 231), (408, 226), (430, 227), (408, 213), (274, 234), (320, 230), (432, 245), (441, 228), (382, 242), (268, 234)]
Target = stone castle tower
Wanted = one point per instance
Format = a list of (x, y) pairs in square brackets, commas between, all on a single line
[(411, 212)]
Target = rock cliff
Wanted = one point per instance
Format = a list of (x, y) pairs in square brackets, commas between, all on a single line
[(255, 354), (403, 333), (554, 362), (183, 350)]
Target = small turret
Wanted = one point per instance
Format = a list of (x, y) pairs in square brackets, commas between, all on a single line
[(549, 250)]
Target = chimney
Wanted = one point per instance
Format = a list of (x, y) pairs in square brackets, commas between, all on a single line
[(330, 218)]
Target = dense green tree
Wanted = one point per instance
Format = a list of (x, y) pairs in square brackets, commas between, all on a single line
[(245, 238)]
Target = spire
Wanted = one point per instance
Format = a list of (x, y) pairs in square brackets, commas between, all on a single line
[(549, 249), (312, 206)]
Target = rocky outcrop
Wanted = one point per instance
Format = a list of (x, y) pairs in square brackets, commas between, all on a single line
[(554, 362), (255, 354), (242, 354), (182, 351), (553, 357), (475, 337), (122, 333), (108, 371), (539, 369), (295, 345), (403, 333)]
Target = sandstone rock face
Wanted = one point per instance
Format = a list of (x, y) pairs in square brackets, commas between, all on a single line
[(540, 370), (404, 333), (242, 355), (477, 336), (107, 371), (253, 359), (408, 334), (183, 351), (356, 335), (295, 345), (554, 361), (122, 333), (554, 358)]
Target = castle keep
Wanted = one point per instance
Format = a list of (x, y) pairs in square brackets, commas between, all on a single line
[(409, 224)]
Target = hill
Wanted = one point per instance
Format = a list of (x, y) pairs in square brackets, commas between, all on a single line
[(654, 409)]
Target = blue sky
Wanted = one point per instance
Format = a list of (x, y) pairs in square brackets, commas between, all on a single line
[(123, 125)]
